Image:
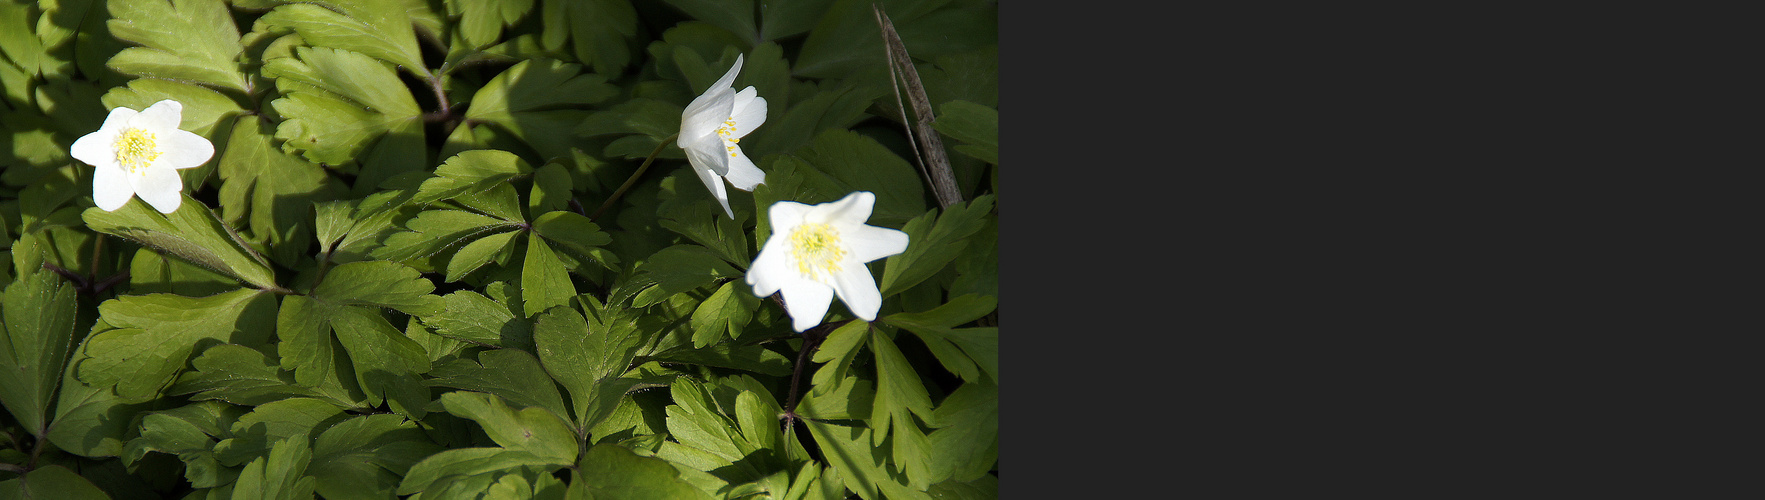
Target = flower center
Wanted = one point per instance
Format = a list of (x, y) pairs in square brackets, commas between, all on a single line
[(817, 250), (135, 149), (724, 131)]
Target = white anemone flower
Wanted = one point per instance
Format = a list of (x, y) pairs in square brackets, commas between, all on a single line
[(818, 251), (139, 154), (711, 126)]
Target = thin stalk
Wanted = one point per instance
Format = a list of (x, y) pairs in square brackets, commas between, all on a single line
[(633, 179)]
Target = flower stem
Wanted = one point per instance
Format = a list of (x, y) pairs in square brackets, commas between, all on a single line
[(633, 179)]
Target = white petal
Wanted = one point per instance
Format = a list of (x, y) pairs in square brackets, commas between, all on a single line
[(807, 302), (97, 149), (161, 116), (786, 215), (868, 243), (851, 210), (700, 120), (110, 187), (159, 187), (770, 269), (715, 184), (118, 119), (748, 111), (858, 290), (728, 79), (742, 172), (183, 149), (708, 155)]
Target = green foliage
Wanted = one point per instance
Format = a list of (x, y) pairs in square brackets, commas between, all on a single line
[(395, 277)]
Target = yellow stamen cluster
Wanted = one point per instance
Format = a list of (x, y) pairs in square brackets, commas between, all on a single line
[(816, 248), (724, 131), (135, 149)]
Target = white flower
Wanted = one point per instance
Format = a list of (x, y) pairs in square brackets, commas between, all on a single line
[(817, 251), (711, 126), (138, 153)]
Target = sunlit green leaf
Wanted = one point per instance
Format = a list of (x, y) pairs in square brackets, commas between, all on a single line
[(540, 101), (535, 430), (974, 124), (192, 233), (155, 334), (338, 102), (188, 40), (366, 456), (381, 30), (36, 330), (512, 374), (930, 246), (612, 471)]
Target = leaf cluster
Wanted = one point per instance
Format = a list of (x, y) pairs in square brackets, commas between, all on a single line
[(385, 282)]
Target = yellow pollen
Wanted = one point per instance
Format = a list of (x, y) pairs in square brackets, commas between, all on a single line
[(724, 131), (135, 149), (817, 250)]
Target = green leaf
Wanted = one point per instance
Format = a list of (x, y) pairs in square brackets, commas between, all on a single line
[(847, 39), (380, 284), (966, 445), (540, 101), (381, 30), (587, 358), (602, 32), (727, 310), (470, 316), (280, 476), (551, 189), (751, 358), (689, 209), (454, 464), (931, 247), (36, 330), (670, 271), (192, 233), (470, 172), (737, 16), (256, 433), (365, 457), (974, 124), (51, 481), (274, 190), (239, 375), (500, 201), (977, 269), (652, 119), (512, 374), (851, 162), (572, 230), (899, 395), (387, 363), (432, 231), (481, 23), (837, 352), (847, 398), (848, 449), (496, 247), (935, 327), (612, 471), (204, 109), (305, 333), (338, 102), (545, 283), (155, 334), (186, 40), (533, 429), (784, 18)]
